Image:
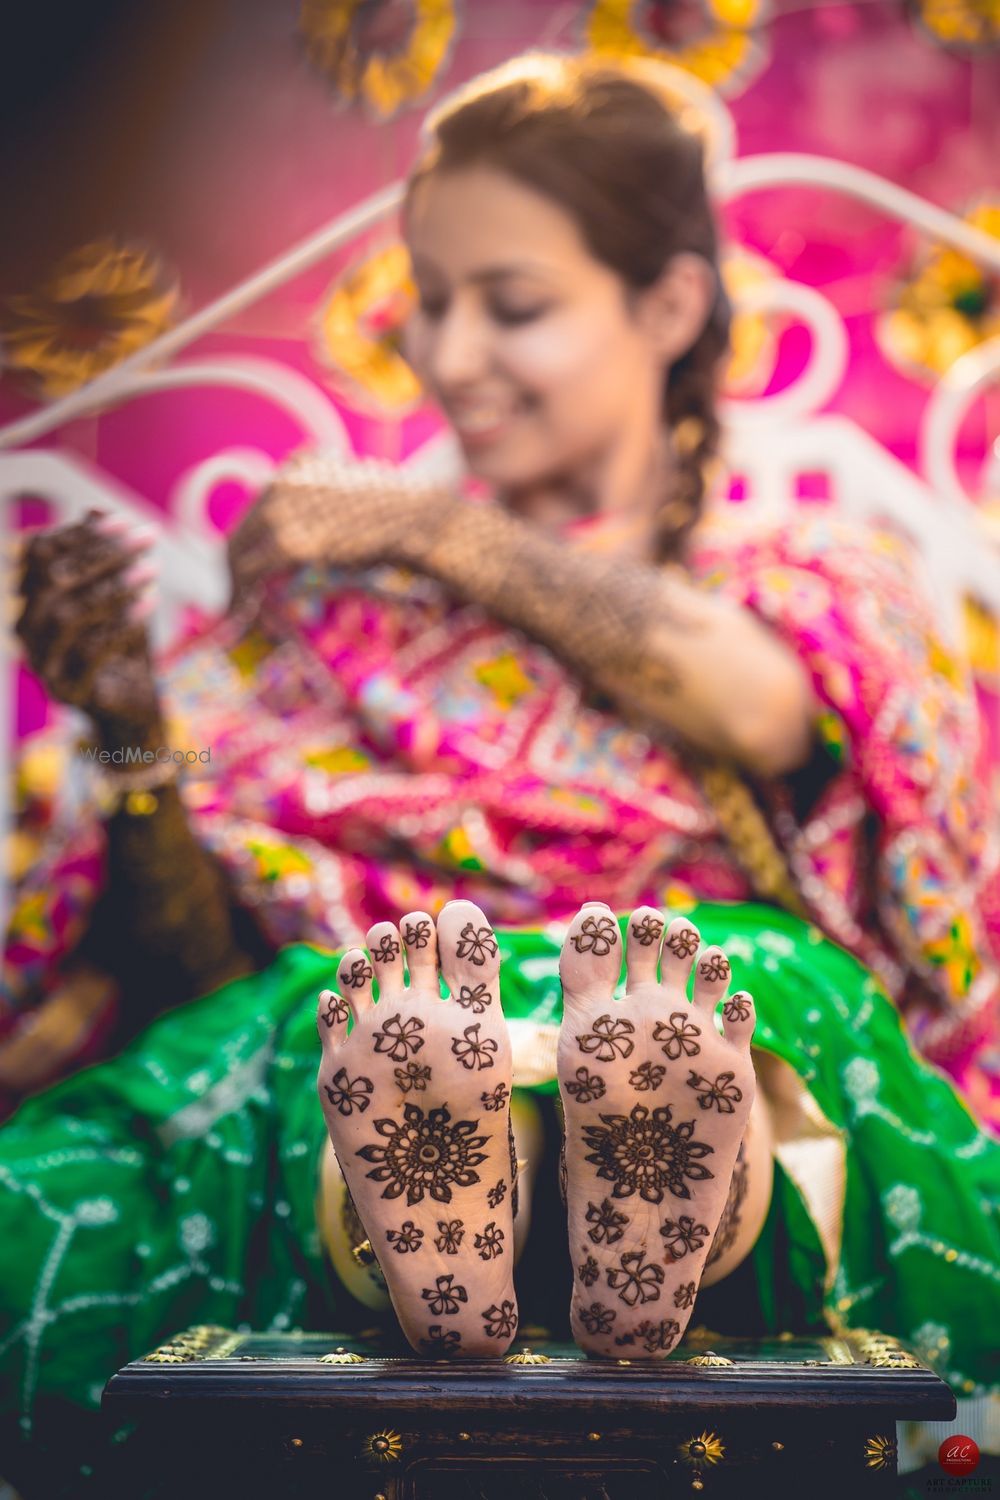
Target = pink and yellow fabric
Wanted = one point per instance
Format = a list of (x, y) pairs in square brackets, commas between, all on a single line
[(377, 747)]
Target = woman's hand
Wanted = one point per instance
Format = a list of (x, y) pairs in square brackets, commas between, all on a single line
[(323, 510), (82, 623)]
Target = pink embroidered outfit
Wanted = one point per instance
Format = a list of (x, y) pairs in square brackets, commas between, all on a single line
[(377, 746)]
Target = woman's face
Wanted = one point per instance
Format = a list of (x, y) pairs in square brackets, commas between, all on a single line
[(528, 342)]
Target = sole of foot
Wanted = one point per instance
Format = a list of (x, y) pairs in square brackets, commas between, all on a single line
[(416, 1097), (656, 1102)]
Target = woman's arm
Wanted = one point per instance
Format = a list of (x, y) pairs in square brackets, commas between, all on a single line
[(700, 667)]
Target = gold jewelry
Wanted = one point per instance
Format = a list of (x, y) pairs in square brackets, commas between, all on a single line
[(133, 792)]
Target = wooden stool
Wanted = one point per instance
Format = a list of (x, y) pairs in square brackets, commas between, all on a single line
[(330, 1417)]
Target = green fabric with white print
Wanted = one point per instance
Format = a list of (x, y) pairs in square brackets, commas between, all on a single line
[(176, 1184)]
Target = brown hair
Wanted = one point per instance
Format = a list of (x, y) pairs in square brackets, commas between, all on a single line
[(600, 140)]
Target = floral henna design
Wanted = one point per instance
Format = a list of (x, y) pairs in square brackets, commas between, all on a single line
[(684, 943), (474, 998), (500, 1322), (678, 1036), (647, 1077), (336, 1010), (737, 1008), (636, 1280), (412, 1077), (476, 944), (451, 1233), (497, 1194), (648, 931), (349, 1094), (723, 1094), (490, 1242), (644, 1153), (407, 1239), (597, 1318), (359, 975), (587, 1088), (426, 1154), (495, 1101), (438, 1344), (683, 1236), (589, 1271), (608, 1039), (609, 1224), (444, 1296), (728, 1226), (715, 967), (473, 1052), (399, 1038), (388, 949), (417, 934), (597, 935), (684, 1295), (656, 1338)]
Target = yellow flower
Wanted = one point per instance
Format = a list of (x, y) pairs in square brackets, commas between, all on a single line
[(385, 53), (950, 305), (716, 40), (100, 304), (360, 330), (969, 25)]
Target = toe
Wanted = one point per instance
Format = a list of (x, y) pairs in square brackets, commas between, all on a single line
[(331, 1018), (420, 940), (645, 929), (470, 956), (740, 1018), (711, 979), (679, 948), (386, 949), (354, 979), (591, 957)]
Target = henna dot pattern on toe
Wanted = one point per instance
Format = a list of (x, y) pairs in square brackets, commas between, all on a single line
[(654, 1117)]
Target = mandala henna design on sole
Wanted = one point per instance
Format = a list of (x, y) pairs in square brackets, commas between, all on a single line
[(645, 1153), (678, 1035), (425, 1154)]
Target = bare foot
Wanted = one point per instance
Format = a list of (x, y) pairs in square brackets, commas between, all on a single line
[(417, 1103), (656, 1103)]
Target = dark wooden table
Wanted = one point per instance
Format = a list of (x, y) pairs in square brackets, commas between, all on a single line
[(322, 1415)]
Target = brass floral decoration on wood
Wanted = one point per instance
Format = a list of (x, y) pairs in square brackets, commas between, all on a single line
[(101, 303), (382, 54)]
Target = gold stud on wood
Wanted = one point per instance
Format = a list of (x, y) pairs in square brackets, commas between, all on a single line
[(382, 1447), (341, 1356), (704, 1449), (709, 1360), (525, 1356), (880, 1452)]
